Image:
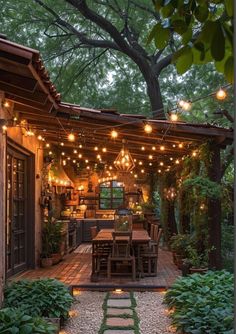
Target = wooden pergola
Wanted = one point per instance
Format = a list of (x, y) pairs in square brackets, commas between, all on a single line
[(26, 86)]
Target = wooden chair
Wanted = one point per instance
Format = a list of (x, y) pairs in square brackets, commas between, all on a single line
[(121, 253), (93, 232), (149, 258)]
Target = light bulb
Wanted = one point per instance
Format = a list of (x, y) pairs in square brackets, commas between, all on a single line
[(114, 134), (148, 128), (174, 117), (95, 148), (62, 144), (143, 148), (162, 148), (75, 151), (221, 94), (104, 149), (71, 137)]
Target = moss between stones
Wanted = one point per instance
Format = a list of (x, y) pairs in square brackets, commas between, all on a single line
[(105, 327)]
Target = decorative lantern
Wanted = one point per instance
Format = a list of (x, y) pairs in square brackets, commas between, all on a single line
[(124, 161), (123, 220)]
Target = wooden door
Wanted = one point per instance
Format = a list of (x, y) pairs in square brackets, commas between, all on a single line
[(16, 224)]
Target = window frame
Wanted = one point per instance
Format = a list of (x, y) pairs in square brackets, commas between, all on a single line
[(111, 198)]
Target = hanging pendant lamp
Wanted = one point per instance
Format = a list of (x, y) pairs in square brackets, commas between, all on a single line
[(124, 161)]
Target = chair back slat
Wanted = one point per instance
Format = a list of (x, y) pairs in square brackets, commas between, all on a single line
[(93, 232), (121, 245)]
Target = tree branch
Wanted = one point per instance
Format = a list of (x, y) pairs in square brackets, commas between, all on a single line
[(108, 27), (82, 37), (162, 64), (84, 68)]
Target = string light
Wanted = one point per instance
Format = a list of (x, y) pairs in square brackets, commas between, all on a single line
[(47, 145), (194, 154), (104, 149), (86, 161), (150, 157), (40, 137), (140, 163), (80, 155), (180, 145), (6, 104), (29, 133), (150, 163), (62, 153), (162, 148), (4, 128), (153, 148), (50, 152), (62, 144), (159, 170), (95, 148), (75, 151), (143, 148), (185, 105), (114, 134), (74, 161), (71, 137), (15, 119), (173, 145), (80, 145), (177, 162), (221, 94), (161, 163), (148, 128), (142, 171), (173, 117)]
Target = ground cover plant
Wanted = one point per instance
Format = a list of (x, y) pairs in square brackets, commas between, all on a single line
[(15, 321), (202, 303), (45, 297)]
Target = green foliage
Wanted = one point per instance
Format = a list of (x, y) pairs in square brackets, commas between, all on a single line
[(180, 242), (202, 303), (206, 32), (14, 321), (51, 237), (195, 258), (227, 246), (46, 298), (204, 187)]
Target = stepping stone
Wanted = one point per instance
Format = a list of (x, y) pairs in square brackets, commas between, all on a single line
[(119, 331), (121, 295), (122, 322), (119, 303), (119, 311)]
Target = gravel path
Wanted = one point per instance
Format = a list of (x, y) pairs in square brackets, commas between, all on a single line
[(88, 313), (152, 314)]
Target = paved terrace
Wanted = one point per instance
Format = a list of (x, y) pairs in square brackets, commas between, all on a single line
[(75, 270)]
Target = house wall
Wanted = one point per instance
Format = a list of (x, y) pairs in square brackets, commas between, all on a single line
[(33, 145)]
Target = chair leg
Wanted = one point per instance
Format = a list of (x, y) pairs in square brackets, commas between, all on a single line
[(133, 269), (109, 268)]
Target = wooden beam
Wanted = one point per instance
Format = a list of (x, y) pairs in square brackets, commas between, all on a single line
[(19, 81), (37, 96)]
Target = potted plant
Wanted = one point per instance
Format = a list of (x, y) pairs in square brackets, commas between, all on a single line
[(56, 241), (179, 244), (198, 261), (46, 253), (51, 242)]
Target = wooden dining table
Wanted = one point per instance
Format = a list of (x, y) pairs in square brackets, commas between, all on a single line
[(104, 236)]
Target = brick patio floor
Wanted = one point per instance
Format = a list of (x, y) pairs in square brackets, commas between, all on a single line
[(75, 270)]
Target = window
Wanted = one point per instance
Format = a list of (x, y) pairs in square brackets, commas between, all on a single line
[(111, 195)]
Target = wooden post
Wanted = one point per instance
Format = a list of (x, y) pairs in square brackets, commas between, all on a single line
[(2, 198), (214, 210)]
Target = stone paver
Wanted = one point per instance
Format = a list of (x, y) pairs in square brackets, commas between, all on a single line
[(118, 311), (119, 331), (119, 303), (122, 322)]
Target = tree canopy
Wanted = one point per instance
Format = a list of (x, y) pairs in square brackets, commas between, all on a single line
[(104, 77)]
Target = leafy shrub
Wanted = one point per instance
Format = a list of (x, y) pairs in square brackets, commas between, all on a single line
[(14, 321), (228, 246), (46, 297), (202, 303)]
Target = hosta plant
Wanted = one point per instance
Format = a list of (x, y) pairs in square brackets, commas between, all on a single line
[(45, 297), (15, 321), (202, 303)]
